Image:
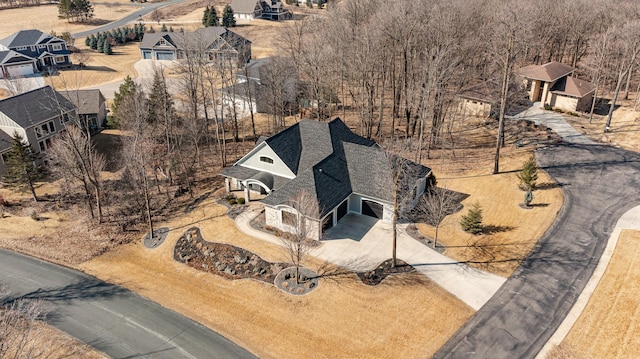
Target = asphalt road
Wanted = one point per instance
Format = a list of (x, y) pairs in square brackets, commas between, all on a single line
[(600, 183), (110, 318), (147, 8)]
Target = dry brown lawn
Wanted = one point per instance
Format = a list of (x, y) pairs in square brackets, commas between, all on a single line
[(101, 68), (403, 317), (608, 327), (625, 126), (45, 18)]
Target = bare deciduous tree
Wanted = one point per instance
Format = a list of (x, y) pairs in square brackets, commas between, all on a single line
[(298, 244), (435, 205)]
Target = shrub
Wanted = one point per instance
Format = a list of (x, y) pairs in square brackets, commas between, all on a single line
[(528, 175), (233, 201), (34, 215), (241, 200), (558, 110), (548, 107), (472, 221)]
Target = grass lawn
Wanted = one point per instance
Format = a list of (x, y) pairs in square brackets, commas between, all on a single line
[(341, 318), (608, 327), (45, 18)]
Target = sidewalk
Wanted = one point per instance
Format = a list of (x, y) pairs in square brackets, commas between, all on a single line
[(472, 286), (554, 121)]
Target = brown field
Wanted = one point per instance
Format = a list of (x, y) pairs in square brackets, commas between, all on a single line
[(379, 321), (625, 126), (608, 327), (45, 18)]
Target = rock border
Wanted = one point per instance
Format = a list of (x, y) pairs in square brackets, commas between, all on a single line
[(285, 281), (159, 237)]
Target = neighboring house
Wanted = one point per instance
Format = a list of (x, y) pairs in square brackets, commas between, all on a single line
[(260, 84), (481, 99), (345, 172), (91, 107), (39, 52), (553, 85), (260, 9), (219, 43), (6, 143), (13, 64), (37, 116)]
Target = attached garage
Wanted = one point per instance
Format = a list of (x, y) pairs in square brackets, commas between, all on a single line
[(372, 209), (164, 55), (20, 70)]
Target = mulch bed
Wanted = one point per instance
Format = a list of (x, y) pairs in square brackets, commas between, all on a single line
[(377, 275), (225, 260), (233, 262), (159, 235)]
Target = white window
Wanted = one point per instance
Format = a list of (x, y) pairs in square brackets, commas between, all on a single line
[(42, 46), (45, 129), (162, 42), (21, 48), (266, 159), (57, 47), (60, 59)]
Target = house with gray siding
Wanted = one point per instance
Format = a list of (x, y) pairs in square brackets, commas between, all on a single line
[(37, 115), (220, 44), (37, 51), (91, 108), (345, 172)]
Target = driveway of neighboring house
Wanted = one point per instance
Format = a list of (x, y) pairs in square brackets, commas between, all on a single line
[(361, 243), (600, 184), (22, 84), (554, 121)]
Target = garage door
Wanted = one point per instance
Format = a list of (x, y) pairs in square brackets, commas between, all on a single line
[(342, 210), (372, 209), (20, 70), (146, 55), (164, 55)]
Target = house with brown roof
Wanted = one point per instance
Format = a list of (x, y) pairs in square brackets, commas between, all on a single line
[(553, 85), (345, 173)]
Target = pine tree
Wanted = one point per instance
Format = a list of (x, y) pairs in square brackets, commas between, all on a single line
[(100, 43), (213, 19), (170, 28), (528, 175), (106, 48), (151, 30), (22, 171), (87, 41), (472, 221), (205, 17), (93, 42), (228, 20), (127, 88), (164, 28)]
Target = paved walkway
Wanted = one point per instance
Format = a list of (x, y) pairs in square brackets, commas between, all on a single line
[(474, 287), (554, 121)]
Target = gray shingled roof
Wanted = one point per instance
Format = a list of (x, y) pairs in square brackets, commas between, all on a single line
[(6, 142), (33, 107), (202, 37), (9, 56), (26, 38), (243, 173), (331, 162), (86, 101), (243, 6)]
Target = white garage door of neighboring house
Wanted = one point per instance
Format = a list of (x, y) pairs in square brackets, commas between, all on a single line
[(20, 70), (164, 55)]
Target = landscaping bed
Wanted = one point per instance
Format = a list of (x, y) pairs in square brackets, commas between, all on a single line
[(382, 271), (225, 260)]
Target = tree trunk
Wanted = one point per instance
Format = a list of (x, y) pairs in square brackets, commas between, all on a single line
[(503, 105), (615, 99)]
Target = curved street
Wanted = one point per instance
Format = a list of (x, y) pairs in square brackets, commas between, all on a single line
[(110, 318), (599, 183)]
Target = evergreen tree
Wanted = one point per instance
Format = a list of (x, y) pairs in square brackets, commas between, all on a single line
[(205, 17), (22, 171), (213, 19), (151, 30), (164, 28), (127, 88), (100, 43), (160, 101), (528, 175), (227, 17), (170, 28), (87, 41), (106, 48), (93, 42), (472, 221)]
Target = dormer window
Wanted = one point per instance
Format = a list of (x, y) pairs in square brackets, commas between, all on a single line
[(266, 159), (163, 42)]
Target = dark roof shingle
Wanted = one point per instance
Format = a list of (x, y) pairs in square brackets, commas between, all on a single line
[(33, 107)]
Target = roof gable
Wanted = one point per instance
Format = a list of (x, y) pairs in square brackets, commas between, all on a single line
[(33, 107), (86, 101), (27, 38), (574, 87), (549, 72), (10, 56)]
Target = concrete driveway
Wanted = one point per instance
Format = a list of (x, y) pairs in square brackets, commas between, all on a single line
[(360, 243)]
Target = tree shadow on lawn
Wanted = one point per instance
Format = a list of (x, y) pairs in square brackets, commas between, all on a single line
[(402, 274)]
